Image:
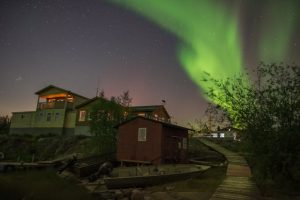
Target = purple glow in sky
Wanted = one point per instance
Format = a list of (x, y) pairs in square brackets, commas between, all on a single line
[(74, 44)]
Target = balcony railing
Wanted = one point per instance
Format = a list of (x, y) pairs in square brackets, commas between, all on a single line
[(54, 105)]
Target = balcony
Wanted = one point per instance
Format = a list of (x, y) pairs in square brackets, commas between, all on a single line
[(54, 105)]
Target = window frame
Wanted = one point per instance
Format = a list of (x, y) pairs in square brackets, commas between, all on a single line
[(49, 116), (142, 134), (57, 116), (82, 117)]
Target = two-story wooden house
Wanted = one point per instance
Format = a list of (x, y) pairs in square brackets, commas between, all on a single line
[(55, 113), (60, 111), (155, 112)]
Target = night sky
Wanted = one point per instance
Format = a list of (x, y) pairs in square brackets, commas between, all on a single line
[(74, 44)]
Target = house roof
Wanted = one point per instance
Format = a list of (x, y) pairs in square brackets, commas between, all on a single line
[(64, 90), (147, 108), (153, 120), (89, 101)]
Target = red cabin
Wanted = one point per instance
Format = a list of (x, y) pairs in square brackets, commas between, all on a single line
[(145, 140)]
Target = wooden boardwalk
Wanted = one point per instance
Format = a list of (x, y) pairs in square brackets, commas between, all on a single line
[(237, 184)]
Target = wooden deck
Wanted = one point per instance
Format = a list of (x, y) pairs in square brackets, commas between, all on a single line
[(237, 184)]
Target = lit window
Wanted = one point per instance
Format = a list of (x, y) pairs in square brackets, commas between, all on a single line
[(142, 134), (48, 116), (82, 114), (141, 114)]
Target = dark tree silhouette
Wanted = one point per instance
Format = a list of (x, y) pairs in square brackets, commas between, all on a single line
[(268, 110)]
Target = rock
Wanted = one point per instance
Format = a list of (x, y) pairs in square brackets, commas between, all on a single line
[(169, 188), (147, 198), (137, 195), (127, 193), (119, 194)]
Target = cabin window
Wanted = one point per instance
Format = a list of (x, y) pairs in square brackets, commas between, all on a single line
[(48, 116), (184, 143), (142, 134), (82, 114), (89, 116), (57, 116), (179, 145), (22, 116)]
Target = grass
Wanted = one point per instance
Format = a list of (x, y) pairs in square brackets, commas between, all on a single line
[(204, 185), (201, 187), (198, 150), (44, 147), (44, 184)]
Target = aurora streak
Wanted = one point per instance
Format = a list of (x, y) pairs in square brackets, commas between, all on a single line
[(209, 35), (277, 30)]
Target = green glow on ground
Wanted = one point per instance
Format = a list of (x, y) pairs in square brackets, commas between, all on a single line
[(208, 35)]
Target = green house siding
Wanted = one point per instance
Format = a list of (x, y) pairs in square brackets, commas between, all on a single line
[(82, 130), (22, 120), (50, 118), (70, 119), (41, 122)]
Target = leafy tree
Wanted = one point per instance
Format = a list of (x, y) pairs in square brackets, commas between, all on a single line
[(268, 109), (125, 99), (105, 115), (199, 125), (4, 124), (217, 117)]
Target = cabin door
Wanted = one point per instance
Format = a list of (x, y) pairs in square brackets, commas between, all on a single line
[(174, 150)]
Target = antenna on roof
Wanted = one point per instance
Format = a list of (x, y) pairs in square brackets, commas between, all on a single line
[(97, 90)]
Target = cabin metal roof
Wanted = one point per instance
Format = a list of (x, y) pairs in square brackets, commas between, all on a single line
[(150, 108), (90, 101), (153, 120), (145, 108)]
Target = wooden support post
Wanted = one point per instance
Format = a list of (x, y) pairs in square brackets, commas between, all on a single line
[(38, 102)]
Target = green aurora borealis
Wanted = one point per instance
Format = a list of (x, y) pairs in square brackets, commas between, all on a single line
[(209, 34), (280, 21)]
